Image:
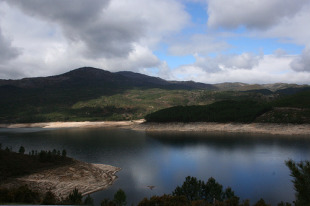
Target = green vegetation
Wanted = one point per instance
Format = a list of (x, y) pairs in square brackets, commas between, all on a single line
[(289, 109), (19, 195), (119, 199), (121, 105), (90, 94), (301, 179), (210, 191), (299, 100), (23, 195), (223, 111), (14, 164)]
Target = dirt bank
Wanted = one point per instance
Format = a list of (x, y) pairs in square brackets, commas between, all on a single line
[(260, 128), (86, 177), (73, 124)]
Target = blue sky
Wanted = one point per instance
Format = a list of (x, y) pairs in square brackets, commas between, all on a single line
[(211, 41)]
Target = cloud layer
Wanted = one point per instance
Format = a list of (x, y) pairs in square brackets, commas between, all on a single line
[(40, 38), (252, 14), (7, 51), (114, 35)]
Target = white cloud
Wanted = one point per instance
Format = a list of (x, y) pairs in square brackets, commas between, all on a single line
[(197, 44), (7, 51), (291, 30), (302, 62), (252, 14), (61, 35), (267, 69), (227, 62)]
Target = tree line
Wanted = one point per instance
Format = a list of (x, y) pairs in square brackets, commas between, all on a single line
[(244, 111)]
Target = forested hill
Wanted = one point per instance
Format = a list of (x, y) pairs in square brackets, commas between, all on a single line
[(90, 94), (285, 109)]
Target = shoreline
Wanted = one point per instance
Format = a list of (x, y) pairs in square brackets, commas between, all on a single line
[(141, 125), (85, 124), (252, 128)]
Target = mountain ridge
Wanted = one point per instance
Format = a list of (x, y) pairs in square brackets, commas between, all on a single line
[(136, 79), (91, 94), (94, 74)]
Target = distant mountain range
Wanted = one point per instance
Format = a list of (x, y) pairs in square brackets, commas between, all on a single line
[(94, 94), (93, 77), (88, 76)]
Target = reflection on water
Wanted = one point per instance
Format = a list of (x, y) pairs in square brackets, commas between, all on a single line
[(253, 165)]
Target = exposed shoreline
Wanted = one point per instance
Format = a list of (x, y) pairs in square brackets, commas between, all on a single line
[(85, 177), (255, 128), (86, 124), (140, 125)]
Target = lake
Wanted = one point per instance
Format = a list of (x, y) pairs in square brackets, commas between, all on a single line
[(252, 165)]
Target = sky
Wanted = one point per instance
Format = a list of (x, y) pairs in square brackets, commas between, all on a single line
[(210, 41)]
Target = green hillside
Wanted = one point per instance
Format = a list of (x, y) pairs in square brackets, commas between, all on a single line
[(298, 100), (289, 109), (224, 111), (90, 94), (284, 109)]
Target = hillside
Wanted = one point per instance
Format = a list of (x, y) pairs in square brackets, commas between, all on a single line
[(94, 94), (285, 109), (245, 111)]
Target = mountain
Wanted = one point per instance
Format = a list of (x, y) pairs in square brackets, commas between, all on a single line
[(283, 88), (93, 77), (54, 98), (94, 94)]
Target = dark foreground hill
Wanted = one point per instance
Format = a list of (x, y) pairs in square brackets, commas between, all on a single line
[(94, 94)]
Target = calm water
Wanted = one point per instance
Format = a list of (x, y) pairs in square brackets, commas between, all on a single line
[(253, 165)]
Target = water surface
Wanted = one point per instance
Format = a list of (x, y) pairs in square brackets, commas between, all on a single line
[(253, 165)]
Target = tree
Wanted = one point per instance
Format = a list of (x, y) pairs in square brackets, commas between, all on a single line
[(88, 200), (245, 203), (192, 189), (21, 150), (213, 190), (166, 200), (49, 198), (284, 204), (301, 180), (75, 197), (120, 198), (261, 202), (64, 153), (107, 202)]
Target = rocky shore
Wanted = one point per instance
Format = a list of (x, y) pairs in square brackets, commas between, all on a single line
[(86, 177)]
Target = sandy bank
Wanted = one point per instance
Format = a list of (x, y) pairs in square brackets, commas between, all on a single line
[(260, 128), (86, 124), (86, 177)]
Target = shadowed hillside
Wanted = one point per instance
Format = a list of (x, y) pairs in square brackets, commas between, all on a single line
[(90, 94)]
